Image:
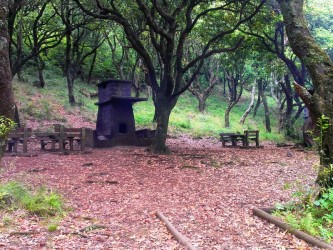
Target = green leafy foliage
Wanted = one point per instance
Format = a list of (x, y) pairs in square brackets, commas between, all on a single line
[(42, 202), (6, 125), (325, 175), (315, 218)]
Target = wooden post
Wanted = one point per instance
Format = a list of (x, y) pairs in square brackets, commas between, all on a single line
[(25, 140), (83, 138), (71, 143), (257, 138), (15, 140), (244, 140), (53, 144), (246, 134), (61, 139)]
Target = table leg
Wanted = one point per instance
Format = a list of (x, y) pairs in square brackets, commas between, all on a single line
[(234, 141), (71, 144), (15, 145)]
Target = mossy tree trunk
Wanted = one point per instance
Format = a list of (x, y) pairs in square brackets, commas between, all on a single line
[(163, 107), (249, 109), (40, 64), (235, 90), (261, 93), (320, 68), (7, 105), (285, 120)]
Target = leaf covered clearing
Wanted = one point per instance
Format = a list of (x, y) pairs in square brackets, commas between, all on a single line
[(206, 191)]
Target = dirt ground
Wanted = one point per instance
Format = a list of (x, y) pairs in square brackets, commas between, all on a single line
[(206, 191)]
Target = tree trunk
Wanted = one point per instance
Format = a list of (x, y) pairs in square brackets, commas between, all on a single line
[(69, 69), (265, 104), (267, 117), (19, 53), (255, 110), (163, 108), (247, 112), (7, 104), (201, 97), (70, 86), (320, 68), (226, 116), (202, 103), (40, 68), (92, 65), (286, 123), (224, 86)]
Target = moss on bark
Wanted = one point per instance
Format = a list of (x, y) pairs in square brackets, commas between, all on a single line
[(320, 68)]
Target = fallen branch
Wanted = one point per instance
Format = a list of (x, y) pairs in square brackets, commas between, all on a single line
[(189, 167), (87, 94), (35, 170), (92, 227), (22, 233), (263, 213), (79, 234), (89, 164), (175, 233)]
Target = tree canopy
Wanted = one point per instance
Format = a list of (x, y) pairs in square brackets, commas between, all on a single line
[(161, 32)]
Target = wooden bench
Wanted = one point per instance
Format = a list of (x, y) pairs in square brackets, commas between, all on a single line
[(62, 136), (18, 135), (246, 138), (233, 138), (46, 138), (251, 135), (71, 135)]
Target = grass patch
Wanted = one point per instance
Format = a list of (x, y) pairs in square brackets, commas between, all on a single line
[(185, 118), (41, 202), (50, 102)]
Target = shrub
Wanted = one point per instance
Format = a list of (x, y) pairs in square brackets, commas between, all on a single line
[(6, 125), (43, 202), (314, 218)]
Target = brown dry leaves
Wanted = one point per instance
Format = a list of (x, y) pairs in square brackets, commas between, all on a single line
[(206, 191)]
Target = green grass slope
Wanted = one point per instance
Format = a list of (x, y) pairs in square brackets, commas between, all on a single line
[(51, 103)]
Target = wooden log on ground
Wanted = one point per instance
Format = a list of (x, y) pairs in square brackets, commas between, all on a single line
[(299, 234), (175, 233)]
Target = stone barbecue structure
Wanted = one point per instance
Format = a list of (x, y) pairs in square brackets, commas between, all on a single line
[(115, 119)]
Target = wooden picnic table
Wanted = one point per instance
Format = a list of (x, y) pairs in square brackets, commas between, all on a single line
[(247, 137), (233, 138), (46, 137), (60, 138), (17, 135)]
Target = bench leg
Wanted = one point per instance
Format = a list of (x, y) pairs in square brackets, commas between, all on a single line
[(244, 142), (15, 145), (10, 146), (42, 144), (71, 144)]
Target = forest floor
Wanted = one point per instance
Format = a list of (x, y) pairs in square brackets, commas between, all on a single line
[(206, 191)]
